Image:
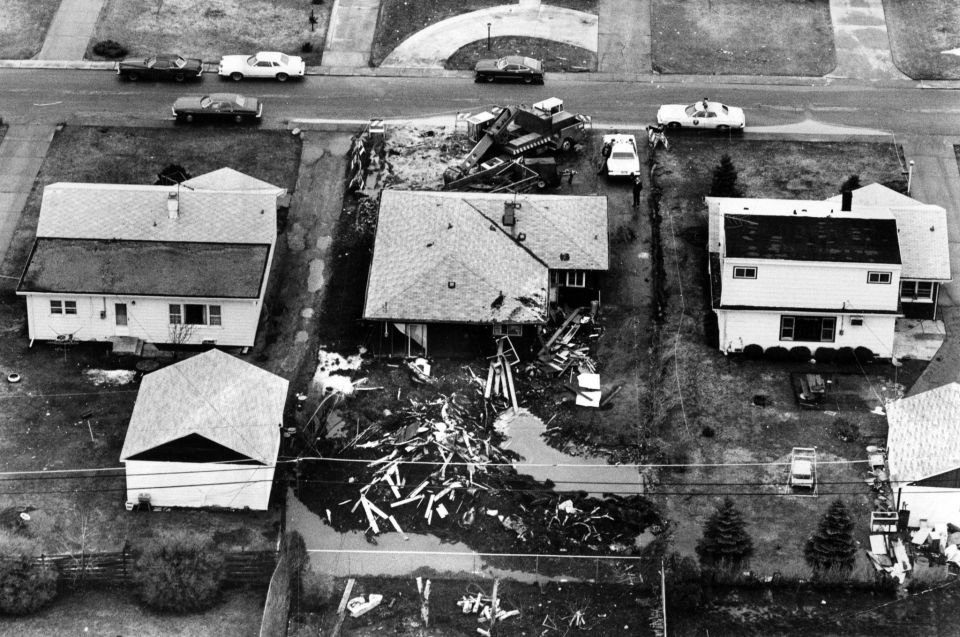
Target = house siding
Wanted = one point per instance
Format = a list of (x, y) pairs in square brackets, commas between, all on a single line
[(147, 318), (739, 328), (798, 284), (188, 484), (936, 506)]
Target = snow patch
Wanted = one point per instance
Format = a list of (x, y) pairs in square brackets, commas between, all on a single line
[(325, 377), (110, 377)]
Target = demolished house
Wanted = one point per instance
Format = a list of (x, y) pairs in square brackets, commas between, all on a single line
[(450, 270)]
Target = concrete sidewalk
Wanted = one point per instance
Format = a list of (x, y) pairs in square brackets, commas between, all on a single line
[(623, 44), (861, 40), (350, 34), (70, 30), (21, 155)]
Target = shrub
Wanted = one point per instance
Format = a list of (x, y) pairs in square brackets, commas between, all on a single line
[(864, 354), (725, 543), (825, 354), (684, 583), (845, 430), (777, 353), (800, 353), (25, 584), (109, 49), (753, 351), (180, 571), (845, 355), (831, 550)]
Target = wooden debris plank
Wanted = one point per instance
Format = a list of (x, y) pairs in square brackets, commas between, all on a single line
[(371, 519), (488, 389), (513, 393), (567, 322), (399, 503)]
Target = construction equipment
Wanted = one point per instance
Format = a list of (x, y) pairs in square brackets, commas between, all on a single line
[(803, 468), (515, 131)]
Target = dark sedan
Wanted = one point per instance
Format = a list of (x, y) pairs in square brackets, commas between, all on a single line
[(217, 106), (160, 67), (511, 67)]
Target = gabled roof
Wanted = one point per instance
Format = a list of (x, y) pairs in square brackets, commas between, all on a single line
[(922, 438), (214, 395), (438, 258), (227, 179), (146, 268), (137, 212), (803, 238)]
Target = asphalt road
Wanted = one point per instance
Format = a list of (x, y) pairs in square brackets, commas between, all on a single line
[(35, 96)]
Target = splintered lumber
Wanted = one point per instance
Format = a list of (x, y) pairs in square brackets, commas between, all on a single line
[(488, 389), (413, 498), (396, 526), (606, 399), (342, 609), (513, 393), (573, 316), (376, 510), (429, 513), (371, 519)]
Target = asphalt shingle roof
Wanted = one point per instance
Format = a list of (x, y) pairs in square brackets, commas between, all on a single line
[(214, 395), (90, 266), (922, 437)]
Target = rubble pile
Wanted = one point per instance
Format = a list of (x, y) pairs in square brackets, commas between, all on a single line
[(417, 157), (570, 344)]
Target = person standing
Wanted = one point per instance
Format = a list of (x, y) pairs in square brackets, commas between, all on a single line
[(637, 189)]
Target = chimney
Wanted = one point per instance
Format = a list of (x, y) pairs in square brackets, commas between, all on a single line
[(173, 206), (846, 201), (510, 215)]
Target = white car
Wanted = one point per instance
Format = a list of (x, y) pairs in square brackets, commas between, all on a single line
[(703, 114), (622, 160), (266, 64)]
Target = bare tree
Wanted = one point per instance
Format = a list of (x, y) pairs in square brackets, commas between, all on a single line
[(181, 334)]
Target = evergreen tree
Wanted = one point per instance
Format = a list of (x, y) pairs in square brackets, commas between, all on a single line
[(851, 184), (725, 179), (725, 542), (831, 549)]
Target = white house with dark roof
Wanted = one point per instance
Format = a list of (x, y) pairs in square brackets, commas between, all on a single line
[(181, 263), (480, 259), (205, 432), (923, 454)]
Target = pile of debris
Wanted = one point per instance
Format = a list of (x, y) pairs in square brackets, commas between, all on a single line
[(416, 157), (570, 344)]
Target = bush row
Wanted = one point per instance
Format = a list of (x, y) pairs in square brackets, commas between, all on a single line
[(800, 353)]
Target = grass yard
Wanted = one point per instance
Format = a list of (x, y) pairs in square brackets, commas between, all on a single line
[(210, 28), (920, 34), (556, 56), (103, 613), (399, 19), (23, 27), (742, 37), (717, 392)]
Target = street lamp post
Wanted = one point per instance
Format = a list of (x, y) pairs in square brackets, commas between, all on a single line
[(909, 176), (488, 36)]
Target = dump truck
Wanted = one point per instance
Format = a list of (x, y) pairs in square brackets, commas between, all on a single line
[(515, 131)]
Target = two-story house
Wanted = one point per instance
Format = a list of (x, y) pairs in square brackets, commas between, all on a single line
[(450, 269), (184, 264)]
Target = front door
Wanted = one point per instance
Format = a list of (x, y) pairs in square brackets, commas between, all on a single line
[(120, 311)]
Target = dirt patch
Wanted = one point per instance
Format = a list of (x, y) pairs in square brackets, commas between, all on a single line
[(209, 29), (23, 27), (925, 38), (399, 19), (742, 37), (556, 56)]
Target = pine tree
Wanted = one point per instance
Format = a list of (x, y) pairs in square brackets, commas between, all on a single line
[(725, 179), (831, 549), (725, 542)]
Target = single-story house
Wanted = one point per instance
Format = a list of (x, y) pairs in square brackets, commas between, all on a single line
[(449, 267), (184, 263), (205, 432), (923, 454)]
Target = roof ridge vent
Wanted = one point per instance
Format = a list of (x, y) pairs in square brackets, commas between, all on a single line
[(173, 206)]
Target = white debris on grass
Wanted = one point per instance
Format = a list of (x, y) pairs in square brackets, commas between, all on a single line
[(325, 377), (418, 155), (110, 377)]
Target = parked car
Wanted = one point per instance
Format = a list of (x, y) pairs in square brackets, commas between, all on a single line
[(511, 67), (265, 64), (702, 114), (160, 67), (622, 160), (217, 106)]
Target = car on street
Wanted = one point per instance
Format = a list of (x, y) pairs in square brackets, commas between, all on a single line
[(703, 114), (217, 106), (510, 68), (167, 66), (265, 64), (621, 153)]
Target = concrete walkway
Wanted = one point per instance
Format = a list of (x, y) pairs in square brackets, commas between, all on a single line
[(70, 30), (861, 40), (624, 37), (431, 46), (350, 34), (21, 155)]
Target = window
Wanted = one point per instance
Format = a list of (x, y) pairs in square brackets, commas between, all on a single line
[(740, 272), (814, 329), (176, 317), (568, 278), (879, 277), (195, 314), (214, 312), (63, 307), (500, 329), (916, 290)]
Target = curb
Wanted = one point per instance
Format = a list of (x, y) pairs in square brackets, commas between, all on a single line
[(646, 78)]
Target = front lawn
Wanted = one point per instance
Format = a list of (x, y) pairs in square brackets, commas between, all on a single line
[(555, 56), (210, 28), (23, 27), (742, 37), (399, 19), (920, 34)]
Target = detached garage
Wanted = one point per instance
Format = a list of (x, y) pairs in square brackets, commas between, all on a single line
[(205, 432)]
